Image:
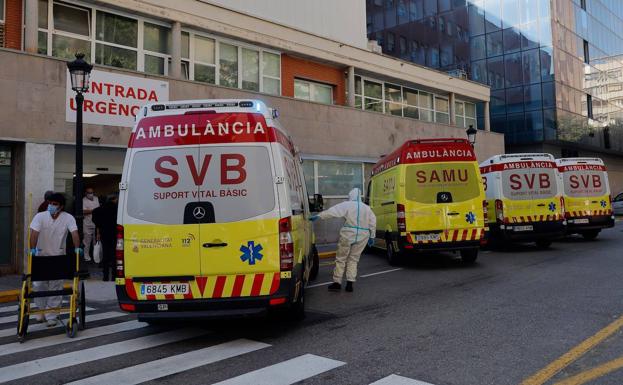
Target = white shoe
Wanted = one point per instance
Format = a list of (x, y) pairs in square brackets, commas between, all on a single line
[(87, 259), (52, 322)]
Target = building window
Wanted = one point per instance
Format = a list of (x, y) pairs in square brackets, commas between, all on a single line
[(312, 91), (587, 57), (583, 4), (1, 11), (465, 114), (589, 106), (442, 112), (145, 45), (334, 178), (391, 41)]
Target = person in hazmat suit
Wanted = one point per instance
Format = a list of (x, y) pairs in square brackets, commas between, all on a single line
[(358, 231)]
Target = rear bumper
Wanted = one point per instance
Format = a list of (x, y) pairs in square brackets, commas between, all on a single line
[(595, 222), (438, 246), (540, 230), (209, 308)]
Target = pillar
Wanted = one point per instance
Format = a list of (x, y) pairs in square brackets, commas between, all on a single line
[(451, 99), (487, 117), (176, 50), (351, 87), (31, 19)]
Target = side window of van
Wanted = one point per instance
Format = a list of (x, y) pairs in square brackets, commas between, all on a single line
[(295, 190)]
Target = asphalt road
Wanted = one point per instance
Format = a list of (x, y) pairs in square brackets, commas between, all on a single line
[(500, 321)]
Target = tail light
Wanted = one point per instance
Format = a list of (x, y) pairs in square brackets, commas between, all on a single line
[(286, 246), (610, 199), (119, 253), (499, 210), (401, 218), (485, 211)]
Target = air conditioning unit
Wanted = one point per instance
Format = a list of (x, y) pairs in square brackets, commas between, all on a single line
[(374, 46), (458, 73)]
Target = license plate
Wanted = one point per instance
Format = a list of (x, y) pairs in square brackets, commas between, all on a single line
[(164, 288), (427, 237), (523, 228), (581, 221), (163, 307)]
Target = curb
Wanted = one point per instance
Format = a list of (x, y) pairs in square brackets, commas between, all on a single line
[(326, 254)]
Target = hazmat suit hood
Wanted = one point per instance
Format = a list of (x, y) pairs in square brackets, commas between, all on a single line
[(354, 194)]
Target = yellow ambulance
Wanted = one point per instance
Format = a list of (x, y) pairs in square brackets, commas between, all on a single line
[(427, 195), (213, 214), (588, 201), (524, 197)]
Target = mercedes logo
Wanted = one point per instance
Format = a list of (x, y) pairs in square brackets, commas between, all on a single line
[(444, 197), (199, 212)]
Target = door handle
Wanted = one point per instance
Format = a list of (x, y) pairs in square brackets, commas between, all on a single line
[(208, 245), (593, 201), (453, 213), (541, 205)]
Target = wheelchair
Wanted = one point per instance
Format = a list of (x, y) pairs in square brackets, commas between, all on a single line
[(49, 268)]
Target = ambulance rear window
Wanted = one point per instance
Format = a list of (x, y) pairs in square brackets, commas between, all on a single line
[(237, 182), (529, 183), (585, 183), (425, 181)]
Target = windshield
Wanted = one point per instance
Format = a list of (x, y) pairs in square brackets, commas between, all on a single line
[(235, 180), (529, 183), (585, 183), (426, 181)]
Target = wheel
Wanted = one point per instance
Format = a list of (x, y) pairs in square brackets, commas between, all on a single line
[(73, 330), (313, 273), (589, 235), (82, 315), (468, 256), (393, 256), (543, 243), (22, 325)]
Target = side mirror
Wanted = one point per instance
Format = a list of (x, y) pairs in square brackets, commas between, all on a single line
[(316, 204)]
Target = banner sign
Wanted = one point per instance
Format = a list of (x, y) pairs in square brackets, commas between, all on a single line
[(114, 99)]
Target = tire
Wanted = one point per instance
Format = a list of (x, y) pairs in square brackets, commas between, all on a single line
[(82, 316), (313, 273), (589, 235), (543, 243), (393, 256), (469, 256), (296, 312)]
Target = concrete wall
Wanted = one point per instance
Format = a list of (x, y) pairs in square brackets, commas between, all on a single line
[(33, 96), (343, 20)]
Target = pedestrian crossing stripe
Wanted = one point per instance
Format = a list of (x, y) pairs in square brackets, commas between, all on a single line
[(398, 380), (42, 326), (175, 364), (13, 318)]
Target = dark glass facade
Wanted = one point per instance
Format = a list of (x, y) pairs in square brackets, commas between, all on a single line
[(539, 90)]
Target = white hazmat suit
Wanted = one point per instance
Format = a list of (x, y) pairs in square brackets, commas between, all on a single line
[(360, 226)]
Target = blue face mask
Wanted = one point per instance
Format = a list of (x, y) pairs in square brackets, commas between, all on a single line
[(53, 209)]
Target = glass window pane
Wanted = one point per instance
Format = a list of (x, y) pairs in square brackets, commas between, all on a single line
[(373, 105), (308, 173), (301, 90), (393, 93), (458, 108), (513, 69), (498, 102), (116, 29), (358, 85), (479, 71), (549, 124), (338, 178), (549, 96), (271, 64), (547, 63), (71, 19), (1, 9), (204, 73), (411, 112), (229, 65), (372, 89), (471, 122), (532, 97), (534, 126), (531, 70), (470, 110), (460, 121), (321, 93), (157, 38), (43, 13), (476, 20), (442, 118), (154, 65), (185, 69), (185, 45), (495, 72), (512, 40), (204, 49), (495, 44), (393, 109), (271, 86), (530, 35), (441, 105), (410, 96), (42, 43), (250, 70), (426, 115), (66, 47), (493, 15), (478, 48), (514, 99), (116, 57), (425, 100), (510, 13)]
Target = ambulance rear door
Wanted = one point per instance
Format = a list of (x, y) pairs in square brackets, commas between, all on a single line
[(586, 189)]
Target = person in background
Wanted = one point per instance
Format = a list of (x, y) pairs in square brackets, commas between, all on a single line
[(358, 231), (105, 218), (44, 205), (89, 203), (48, 232)]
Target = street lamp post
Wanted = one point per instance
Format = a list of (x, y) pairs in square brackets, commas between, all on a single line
[(79, 71), (471, 135)]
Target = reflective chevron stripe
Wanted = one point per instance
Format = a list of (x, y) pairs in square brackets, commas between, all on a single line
[(219, 286)]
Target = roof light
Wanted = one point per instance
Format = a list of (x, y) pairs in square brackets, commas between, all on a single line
[(247, 104), (157, 107)]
